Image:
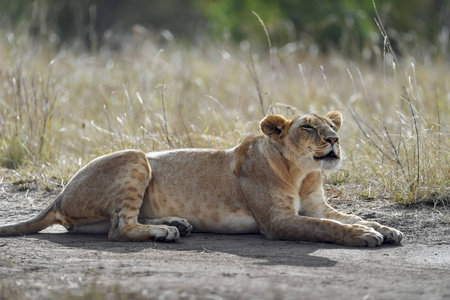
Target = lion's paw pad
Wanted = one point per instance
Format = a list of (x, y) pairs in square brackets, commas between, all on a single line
[(183, 226)]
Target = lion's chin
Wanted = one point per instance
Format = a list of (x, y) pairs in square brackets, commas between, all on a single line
[(328, 162)]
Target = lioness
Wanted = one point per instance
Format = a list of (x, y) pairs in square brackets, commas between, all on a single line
[(270, 183)]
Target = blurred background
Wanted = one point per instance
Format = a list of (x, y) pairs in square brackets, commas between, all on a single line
[(346, 26), (83, 78)]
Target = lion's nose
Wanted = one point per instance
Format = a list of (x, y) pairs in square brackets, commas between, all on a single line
[(332, 140)]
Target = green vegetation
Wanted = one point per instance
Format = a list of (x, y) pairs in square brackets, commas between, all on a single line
[(61, 106), (346, 25)]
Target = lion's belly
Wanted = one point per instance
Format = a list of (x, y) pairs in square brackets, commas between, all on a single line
[(198, 186), (229, 223), (205, 216), (224, 222)]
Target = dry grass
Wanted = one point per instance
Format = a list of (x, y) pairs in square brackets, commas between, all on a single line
[(61, 108)]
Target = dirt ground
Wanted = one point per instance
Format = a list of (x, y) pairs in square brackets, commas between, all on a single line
[(58, 265)]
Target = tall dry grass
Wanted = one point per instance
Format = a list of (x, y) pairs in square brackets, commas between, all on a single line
[(59, 108)]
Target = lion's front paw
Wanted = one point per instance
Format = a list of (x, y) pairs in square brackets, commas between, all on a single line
[(166, 234), (362, 236), (390, 235)]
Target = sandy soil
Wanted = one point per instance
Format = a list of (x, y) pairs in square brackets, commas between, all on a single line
[(55, 264)]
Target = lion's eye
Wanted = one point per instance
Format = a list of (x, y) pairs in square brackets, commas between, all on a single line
[(307, 127)]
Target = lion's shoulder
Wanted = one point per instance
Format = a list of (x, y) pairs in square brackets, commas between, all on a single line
[(243, 151)]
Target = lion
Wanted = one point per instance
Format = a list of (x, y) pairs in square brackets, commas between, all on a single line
[(271, 184)]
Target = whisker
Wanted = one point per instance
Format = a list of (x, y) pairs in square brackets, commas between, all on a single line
[(304, 156)]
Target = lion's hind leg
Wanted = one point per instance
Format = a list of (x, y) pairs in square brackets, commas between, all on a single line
[(183, 225), (125, 228), (124, 202)]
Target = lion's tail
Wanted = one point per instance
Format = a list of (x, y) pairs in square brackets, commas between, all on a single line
[(43, 220)]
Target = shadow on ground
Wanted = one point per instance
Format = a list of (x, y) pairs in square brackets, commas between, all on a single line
[(253, 246)]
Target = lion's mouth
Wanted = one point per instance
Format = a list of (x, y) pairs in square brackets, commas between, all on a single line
[(330, 155)]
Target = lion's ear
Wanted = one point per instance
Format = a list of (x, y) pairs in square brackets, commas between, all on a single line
[(275, 127), (336, 117)]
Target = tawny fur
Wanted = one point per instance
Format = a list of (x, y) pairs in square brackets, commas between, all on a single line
[(271, 183)]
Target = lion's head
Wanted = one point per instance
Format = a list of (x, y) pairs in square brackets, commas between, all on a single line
[(307, 140)]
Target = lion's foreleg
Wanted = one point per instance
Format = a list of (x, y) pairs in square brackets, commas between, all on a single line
[(276, 213), (313, 204), (301, 228), (127, 229)]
